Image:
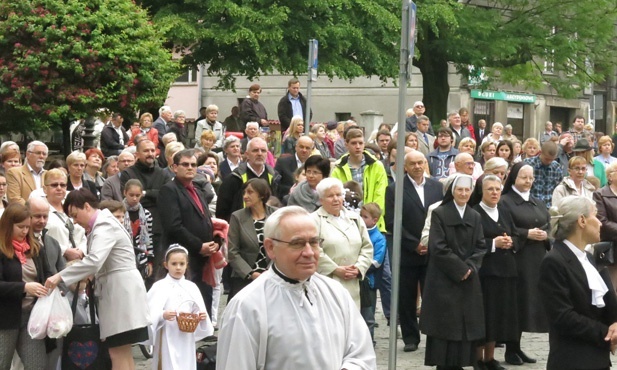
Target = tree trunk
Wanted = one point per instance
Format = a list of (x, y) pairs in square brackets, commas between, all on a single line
[(435, 88)]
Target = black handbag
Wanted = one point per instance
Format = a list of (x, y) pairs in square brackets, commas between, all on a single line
[(604, 254), (82, 348), (206, 357)]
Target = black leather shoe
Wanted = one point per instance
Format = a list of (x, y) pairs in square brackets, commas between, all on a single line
[(526, 358), (479, 366), (410, 347), (493, 365), (513, 359)]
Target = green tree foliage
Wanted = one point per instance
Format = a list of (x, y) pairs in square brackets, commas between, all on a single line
[(63, 59), (234, 37), (508, 39)]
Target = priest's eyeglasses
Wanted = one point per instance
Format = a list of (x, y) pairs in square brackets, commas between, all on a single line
[(299, 244)]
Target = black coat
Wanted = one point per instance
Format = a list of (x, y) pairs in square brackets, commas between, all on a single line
[(285, 110), (528, 255), (286, 167), (500, 263), (453, 309), (184, 223), (90, 185), (230, 193), (414, 214), (181, 133), (110, 140), (577, 328), (12, 287), (152, 179)]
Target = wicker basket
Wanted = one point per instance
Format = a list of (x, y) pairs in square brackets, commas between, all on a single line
[(188, 321)]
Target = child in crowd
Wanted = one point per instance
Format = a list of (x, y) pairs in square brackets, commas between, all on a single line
[(370, 213), (138, 222), (174, 349)]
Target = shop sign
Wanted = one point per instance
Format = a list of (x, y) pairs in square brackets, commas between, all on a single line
[(502, 95)]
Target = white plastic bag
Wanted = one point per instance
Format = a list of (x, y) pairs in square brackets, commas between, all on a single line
[(51, 316), (39, 317), (60, 317)]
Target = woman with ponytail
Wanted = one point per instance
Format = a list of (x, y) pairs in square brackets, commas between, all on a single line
[(580, 302)]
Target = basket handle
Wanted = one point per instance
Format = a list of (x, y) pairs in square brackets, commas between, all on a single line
[(194, 305)]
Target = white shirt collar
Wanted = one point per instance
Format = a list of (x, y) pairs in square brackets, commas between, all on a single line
[(298, 161), (594, 280), (255, 172), (524, 195), (415, 183), (461, 209)]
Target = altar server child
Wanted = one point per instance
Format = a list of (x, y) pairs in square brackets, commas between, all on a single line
[(174, 349)]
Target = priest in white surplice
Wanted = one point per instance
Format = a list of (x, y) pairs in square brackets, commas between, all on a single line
[(291, 317)]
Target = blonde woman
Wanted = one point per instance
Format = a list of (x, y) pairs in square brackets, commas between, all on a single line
[(296, 129)]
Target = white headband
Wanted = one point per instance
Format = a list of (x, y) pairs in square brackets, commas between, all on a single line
[(175, 247)]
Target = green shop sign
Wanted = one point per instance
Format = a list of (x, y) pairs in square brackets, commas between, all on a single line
[(502, 95)]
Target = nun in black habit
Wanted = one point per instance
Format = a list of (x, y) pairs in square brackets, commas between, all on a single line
[(452, 310), (532, 222)]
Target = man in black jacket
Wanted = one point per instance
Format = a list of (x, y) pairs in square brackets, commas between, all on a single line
[(418, 194), (292, 104), (186, 219), (230, 193), (152, 177), (114, 137), (287, 166)]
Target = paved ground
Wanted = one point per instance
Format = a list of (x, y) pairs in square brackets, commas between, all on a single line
[(535, 345)]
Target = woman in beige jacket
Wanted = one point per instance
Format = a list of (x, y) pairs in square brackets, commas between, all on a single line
[(576, 183), (346, 251)]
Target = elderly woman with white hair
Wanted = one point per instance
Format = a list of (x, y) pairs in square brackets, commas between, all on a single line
[(231, 156), (346, 252), (178, 126), (495, 135), (210, 123), (580, 302)]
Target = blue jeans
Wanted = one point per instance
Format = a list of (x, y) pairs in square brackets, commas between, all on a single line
[(383, 282), (368, 313)]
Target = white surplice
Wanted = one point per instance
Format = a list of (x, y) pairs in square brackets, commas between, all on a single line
[(274, 324), (173, 348)]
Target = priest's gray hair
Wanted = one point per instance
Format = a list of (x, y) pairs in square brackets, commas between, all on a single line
[(564, 216), (327, 184), (272, 228)]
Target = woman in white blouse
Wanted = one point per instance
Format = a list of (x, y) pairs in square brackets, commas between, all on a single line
[(580, 302)]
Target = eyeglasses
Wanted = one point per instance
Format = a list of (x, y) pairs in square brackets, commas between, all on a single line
[(187, 165), (3, 184), (57, 184), (313, 173), (299, 244)]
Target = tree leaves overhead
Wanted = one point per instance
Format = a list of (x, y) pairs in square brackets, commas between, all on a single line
[(61, 59), (357, 37)]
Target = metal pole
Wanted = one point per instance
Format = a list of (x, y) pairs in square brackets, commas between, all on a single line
[(312, 74), (398, 190)]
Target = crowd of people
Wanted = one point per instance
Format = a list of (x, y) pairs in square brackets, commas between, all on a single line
[(488, 233)]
